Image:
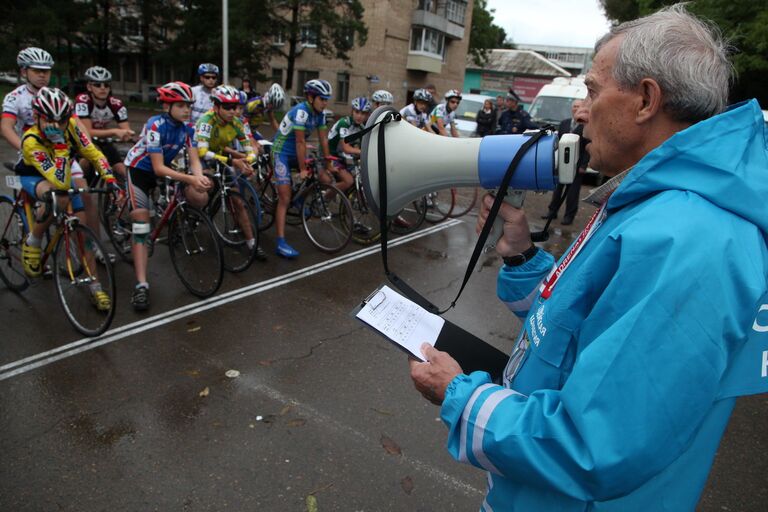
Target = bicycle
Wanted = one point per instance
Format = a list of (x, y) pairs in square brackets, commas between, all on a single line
[(193, 243), (365, 226), (233, 216), (263, 188), (72, 247), (324, 210)]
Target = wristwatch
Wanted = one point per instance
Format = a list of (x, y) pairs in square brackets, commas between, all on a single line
[(519, 259)]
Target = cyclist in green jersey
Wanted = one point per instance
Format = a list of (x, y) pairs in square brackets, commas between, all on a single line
[(347, 125)]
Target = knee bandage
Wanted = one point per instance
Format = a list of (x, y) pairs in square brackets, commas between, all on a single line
[(140, 231)]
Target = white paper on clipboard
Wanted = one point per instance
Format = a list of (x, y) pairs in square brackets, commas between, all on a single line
[(401, 320)]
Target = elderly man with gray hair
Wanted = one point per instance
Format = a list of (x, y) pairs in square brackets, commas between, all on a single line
[(636, 344)]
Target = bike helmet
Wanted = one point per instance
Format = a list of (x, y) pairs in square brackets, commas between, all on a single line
[(207, 68), (362, 104), (452, 93), (275, 97), (422, 95), (174, 92), (318, 87), (243, 97), (382, 96), (53, 104), (98, 74), (34, 58), (225, 94)]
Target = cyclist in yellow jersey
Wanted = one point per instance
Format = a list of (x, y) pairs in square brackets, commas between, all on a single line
[(215, 133), (48, 150)]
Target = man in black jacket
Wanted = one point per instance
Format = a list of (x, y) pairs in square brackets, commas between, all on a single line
[(572, 198)]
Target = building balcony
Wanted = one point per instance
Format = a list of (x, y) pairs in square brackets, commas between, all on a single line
[(422, 61), (437, 22)]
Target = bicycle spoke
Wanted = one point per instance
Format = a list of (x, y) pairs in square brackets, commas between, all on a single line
[(11, 238)]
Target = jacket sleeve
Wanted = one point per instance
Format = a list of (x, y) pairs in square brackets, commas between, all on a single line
[(652, 352), (517, 287), (54, 164), (89, 150)]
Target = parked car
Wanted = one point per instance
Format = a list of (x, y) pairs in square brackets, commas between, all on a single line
[(9, 77), (467, 113), (553, 102)]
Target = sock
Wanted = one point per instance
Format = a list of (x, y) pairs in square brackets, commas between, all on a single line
[(144, 284), (34, 241), (94, 287), (250, 243)]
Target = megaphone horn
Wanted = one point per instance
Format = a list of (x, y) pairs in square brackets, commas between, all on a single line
[(418, 162)]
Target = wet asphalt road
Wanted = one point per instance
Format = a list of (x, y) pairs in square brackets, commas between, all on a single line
[(322, 413)]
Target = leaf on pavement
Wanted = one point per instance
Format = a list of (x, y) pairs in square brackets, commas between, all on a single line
[(311, 503), (390, 445), (285, 410), (205, 392), (194, 329), (298, 422), (407, 484)]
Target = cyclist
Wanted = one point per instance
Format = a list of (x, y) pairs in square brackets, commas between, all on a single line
[(97, 108), (382, 97), (290, 149), (215, 133), (208, 75), (160, 141), (347, 125), (35, 68), (416, 112), (48, 150), (260, 106), (443, 116)]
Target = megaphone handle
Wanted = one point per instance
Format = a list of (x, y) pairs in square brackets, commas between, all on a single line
[(514, 198)]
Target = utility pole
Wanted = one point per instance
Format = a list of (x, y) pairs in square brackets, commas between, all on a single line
[(225, 41)]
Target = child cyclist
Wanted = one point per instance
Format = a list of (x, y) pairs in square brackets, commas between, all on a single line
[(347, 125), (260, 107), (290, 150), (382, 97), (416, 112), (216, 132), (443, 116), (160, 141), (48, 150)]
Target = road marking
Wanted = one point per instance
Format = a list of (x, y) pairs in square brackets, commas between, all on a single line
[(118, 333)]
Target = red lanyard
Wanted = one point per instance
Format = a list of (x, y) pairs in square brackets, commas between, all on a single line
[(594, 223)]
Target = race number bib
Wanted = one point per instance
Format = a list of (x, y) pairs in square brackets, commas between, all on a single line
[(81, 109)]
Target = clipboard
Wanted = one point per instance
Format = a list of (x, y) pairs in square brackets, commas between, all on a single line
[(471, 352)]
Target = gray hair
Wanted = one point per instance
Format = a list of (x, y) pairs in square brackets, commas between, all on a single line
[(687, 57)]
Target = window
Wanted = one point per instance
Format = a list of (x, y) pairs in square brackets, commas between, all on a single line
[(455, 10), (130, 27), (308, 36), (278, 39), (426, 5), (426, 40), (342, 87), (304, 77), (277, 76)]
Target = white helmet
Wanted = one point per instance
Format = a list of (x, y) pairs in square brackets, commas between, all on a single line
[(275, 97), (98, 74), (34, 58), (422, 95), (53, 104), (382, 96), (319, 87), (452, 93)]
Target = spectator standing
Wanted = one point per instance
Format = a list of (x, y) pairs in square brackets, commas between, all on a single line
[(486, 119)]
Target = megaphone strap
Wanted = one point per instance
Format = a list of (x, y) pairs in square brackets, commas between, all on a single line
[(399, 283)]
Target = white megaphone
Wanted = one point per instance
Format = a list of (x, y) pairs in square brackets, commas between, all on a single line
[(418, 162)]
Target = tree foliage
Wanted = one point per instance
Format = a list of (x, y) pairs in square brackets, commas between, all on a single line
[(743, 22), (485, 35)]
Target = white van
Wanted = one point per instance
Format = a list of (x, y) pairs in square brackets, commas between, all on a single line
[(553, 102)]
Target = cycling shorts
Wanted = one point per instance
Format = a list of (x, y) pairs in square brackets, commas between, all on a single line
[(140, 185), (29, 184), (77, 171), (283, 166)]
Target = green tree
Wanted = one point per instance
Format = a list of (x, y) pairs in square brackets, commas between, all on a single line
[(335, 27), (743, 22), (485, 35)]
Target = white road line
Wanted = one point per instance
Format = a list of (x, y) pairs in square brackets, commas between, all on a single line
[(71, 349)]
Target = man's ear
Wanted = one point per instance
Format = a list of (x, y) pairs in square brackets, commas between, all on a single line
[(650, 94)]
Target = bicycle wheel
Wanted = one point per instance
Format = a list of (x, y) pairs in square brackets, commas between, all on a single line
[(327, 218), (464, 201), (12, 234), (410, 218), (439, 205), (223, 211), (76, 274), (253, 194), (195, 251), (116, 219), (366, 228)]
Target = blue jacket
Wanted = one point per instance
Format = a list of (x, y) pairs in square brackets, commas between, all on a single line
[(631, 368)]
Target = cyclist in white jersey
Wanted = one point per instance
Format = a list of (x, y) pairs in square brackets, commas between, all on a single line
[(443, 117), (416, 112), (209, 75)]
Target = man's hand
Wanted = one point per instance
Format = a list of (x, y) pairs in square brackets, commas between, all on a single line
[(243, 166), (303, 173), (432, 378), (516, 237), (124, 134)]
